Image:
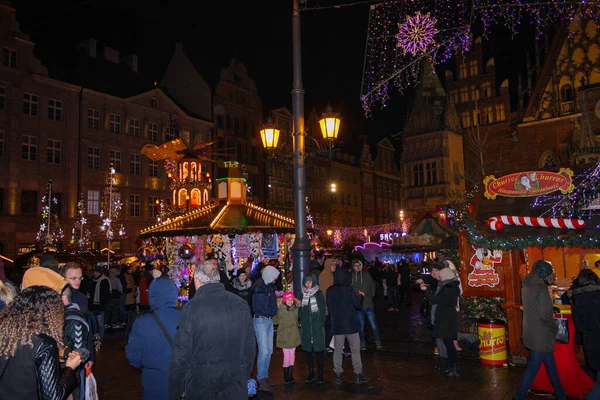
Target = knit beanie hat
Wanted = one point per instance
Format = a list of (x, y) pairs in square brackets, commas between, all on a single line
[(288, 295), (542, 268), (308, 278), (269, 274), (447, 274), (438, 266)]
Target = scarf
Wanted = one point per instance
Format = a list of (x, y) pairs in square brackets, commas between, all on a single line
[(308, 296), (97, 291)]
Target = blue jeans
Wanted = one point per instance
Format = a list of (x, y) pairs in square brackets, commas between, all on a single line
[(370, 312), (98, 323), (594, 394), (263, 329), (536, 358)]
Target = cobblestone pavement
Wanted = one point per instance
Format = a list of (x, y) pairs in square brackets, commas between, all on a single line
[(403, 370)]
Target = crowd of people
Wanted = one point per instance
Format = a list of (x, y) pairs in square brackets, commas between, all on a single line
[(53, 324)]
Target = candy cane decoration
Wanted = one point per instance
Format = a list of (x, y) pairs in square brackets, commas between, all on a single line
[(497, 223)]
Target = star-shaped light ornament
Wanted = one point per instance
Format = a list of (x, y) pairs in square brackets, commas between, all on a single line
[(416, 35)]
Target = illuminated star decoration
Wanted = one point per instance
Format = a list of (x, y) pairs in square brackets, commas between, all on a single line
[(417, 34)]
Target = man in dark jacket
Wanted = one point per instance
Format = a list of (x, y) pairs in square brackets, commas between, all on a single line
[(362, 282), (539, 329), (99, 294), (215, 332), (264, 306), (404, 290), (149, 348), (343, 302)]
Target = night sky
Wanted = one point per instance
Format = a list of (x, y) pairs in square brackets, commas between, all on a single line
[(257, 33)]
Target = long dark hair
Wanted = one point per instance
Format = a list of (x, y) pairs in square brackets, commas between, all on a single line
[(585, 278)]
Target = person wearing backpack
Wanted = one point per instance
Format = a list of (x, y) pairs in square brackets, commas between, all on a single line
[(151, 339)]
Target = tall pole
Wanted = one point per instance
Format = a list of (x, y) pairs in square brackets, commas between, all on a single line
[(301, 248), (109, 231), (49, 202)]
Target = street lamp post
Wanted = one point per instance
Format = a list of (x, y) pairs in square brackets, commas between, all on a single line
[(301, 247)]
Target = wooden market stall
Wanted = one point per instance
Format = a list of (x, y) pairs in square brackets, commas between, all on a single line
[(506, 235)]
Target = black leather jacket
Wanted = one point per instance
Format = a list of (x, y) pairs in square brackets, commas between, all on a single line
[(34, 373)]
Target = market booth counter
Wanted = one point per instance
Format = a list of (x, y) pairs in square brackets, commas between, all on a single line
[(495, 257)]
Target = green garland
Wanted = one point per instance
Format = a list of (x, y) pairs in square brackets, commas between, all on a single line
[(520, 243)]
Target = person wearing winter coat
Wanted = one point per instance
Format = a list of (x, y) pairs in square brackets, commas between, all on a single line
[(129, 293), (362, 282), (113, 306), (264, 306), (342, 303), (31, 331), (404, 289), (215, 332), (100, 290), (148, 348), (288, 337), (391, 280), (445, 318), (585, 303), (312, 331), (242, 284), (539, 329)]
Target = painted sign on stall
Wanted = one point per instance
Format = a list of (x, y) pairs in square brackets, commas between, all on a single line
[(529, 183), (484, 272)]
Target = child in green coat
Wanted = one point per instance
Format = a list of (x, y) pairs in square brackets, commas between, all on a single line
[(288, 336)]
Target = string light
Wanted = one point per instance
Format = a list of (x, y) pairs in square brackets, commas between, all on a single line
[(50, 233)]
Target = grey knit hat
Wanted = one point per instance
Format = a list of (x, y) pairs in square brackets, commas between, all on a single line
[(542, 268)]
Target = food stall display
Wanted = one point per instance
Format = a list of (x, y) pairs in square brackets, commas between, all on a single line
[(506, 235)]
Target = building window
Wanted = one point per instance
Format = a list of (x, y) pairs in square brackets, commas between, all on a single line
[(465, 119), (418, 175), (94, 157), (474, 93), (486, 90), (93, 202), (29, 148), (30, 104), (500, 115), (153, 132), (169, 134), (134, 127), (476, 118), (464, 94), (566, 93), (473, 68), (93, 118), (1, 144), (548, 161), (134, 205), (115, 160), (153, 206), (54, 110), (9, 58), (462, 70), (356, 200), (2, 97), (135, 164), (29, 202), (153, 168), (488, 116), (53, 153), (455, 97), (431, 173), (114, 123)]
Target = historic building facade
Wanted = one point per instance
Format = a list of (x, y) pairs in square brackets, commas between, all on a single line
[(432, 155)]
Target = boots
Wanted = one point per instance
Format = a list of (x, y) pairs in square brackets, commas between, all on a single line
[(378, 345), (360, 379), (311, 376), (363, 345), (286, 375), (453, 371), (337, 379), (320, 375), (291, 374), (443, 365), (264, 386)]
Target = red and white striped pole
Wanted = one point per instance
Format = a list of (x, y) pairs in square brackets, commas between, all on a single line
[(499, 222)]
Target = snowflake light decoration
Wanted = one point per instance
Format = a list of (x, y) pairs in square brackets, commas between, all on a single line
[(416, 35)]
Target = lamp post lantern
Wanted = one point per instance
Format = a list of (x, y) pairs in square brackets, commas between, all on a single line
[(330, 126)]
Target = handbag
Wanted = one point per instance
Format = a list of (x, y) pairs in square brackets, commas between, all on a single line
[(562, 336)]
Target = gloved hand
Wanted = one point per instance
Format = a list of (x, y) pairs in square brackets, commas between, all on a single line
[(251, 387)]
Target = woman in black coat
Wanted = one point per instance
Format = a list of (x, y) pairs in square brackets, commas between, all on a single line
[(445, 316), (585, 302)]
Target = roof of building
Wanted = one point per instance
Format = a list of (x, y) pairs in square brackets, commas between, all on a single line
[(429, 226), (226, 219)]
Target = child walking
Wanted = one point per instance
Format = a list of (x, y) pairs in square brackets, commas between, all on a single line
[(288, 336)]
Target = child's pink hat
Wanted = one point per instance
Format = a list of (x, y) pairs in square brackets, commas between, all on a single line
[(288, 295)]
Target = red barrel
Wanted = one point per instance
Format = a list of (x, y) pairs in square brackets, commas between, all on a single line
[(492, 341)]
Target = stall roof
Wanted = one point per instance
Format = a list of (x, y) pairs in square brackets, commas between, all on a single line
[(225, 219), (429, 226)]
